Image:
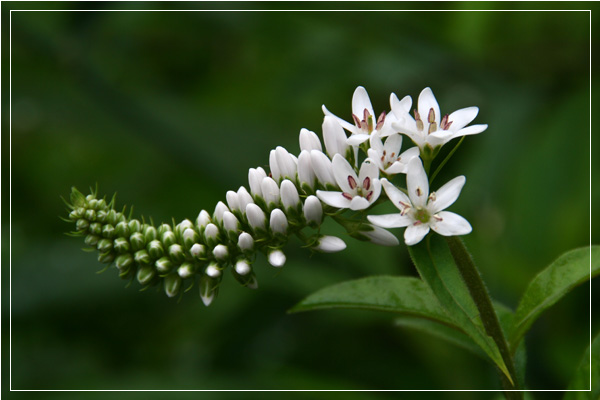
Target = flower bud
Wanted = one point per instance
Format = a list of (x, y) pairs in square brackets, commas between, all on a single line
[(101, 205), (211, 234), (186, 270), (142, 257), (172, 285), (334, 137), (276, 258), (313, 211), (145, 274), (137, 241), (243, 274), (221, 252), (182, 226), (91, 240), (189, 237), (330, 244), (208, 289), (309, 140), (380, 236), (213, 270), (255, 177), (155, 249), (289, 195), (256, 217), (101, 216), (82, 225), (123, 261), (93, 204), (122, 229), (232, 200), (203, 219), (168, 238), (106, 258), (104, 245), (245, 242), (287, 164), (323, 168), (163, 228), (121, 245), (176, 253), (244, 198), (242, 267), (113, 217), (306, 174), (108, 231), (96, 228), (163, 265), (230, 222), (150, 233), (278, 222), (90, 215), (219, 211), (270, 191), (198, 250), (134, 226), (274, 167)]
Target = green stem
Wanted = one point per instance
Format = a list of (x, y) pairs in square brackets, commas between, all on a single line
[(482, 299), (439, 168)]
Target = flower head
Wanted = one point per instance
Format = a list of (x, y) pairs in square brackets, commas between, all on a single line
[(428, 125), (358, 192), (387, 156), (365, 122), (421, 211)]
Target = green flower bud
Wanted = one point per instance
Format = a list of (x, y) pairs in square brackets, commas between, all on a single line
[(163, 265), (101, 204), (198, 250), (108, 231), (168, 238), (134, 225), (91, 240), (82, 225), (163, 228), (145, 274), (121, 245), (106, 258), (137, 241), (248, 279), (101, 216), (75, 215), (104, 245), (186, 270), (172, 285), (182, 226), (90, 197), (150, 233), (96, 228), (189, 237), (90, 215), (176, 253), (209, 289), (112, 217), (93, 204), (122, 229), (155, 249), (123, 261), (142, 257), (213, 270)]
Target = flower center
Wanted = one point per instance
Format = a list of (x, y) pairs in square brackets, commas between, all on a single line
[(422, 215), (362, 190), (444, 123), (366, 124)]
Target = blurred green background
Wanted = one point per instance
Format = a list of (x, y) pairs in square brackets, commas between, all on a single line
[(170, 109)]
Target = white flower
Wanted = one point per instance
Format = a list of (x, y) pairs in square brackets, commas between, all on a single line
[(256, 217), (232, 200), (329, 244), (203, 219), (221, 252), (243, 198), (334, 137), (387, 156), (242, 267), (428, 125), (421, 211), (230, 222), (364, 119), (220, 209), (322, 167), (309, 140), (357, 193)]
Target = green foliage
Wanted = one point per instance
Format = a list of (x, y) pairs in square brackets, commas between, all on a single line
[(550, 285), (583, 375)]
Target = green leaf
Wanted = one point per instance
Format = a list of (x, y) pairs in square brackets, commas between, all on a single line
[(581, 380), (549, 286), (436, 266), (405, 295)]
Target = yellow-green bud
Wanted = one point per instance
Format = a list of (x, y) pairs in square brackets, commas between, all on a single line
[(101, 216), (104, 245), (112, 217), (90, 215), (123, 261), (137, 241), (82, 225), (155, 249), (91, 240), (172, 285), (121, 245), (142, 257), (176, 253), (164, 265), (145, 274), (163, 228), (134, 225), (150, 233), (106, 258), (96, 228), (108, 231), (122, 229), (168, 238)]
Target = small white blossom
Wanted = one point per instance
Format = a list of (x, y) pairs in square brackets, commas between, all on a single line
[(309, 141), (220, 209), (211, 232), (203, 219), (364, 119), (233, 201), (428, 125), (243, 198), (358, 192), (242, 267), (230, 222), (387, 156), (197, 250), (421, 211), (186, 270), (213, 270), (380, 236)]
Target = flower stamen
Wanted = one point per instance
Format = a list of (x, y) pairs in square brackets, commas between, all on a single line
[(351, 182)]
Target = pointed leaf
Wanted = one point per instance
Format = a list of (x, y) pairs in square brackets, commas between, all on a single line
[(404, 295), (581, 380), (549, 286)]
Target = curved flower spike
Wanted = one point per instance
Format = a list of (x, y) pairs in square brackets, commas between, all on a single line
[(421, 211), (358, 192), (363, 116), (387, 156), (428, 125)]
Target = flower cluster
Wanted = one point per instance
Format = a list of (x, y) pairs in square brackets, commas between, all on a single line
[(293, 198)]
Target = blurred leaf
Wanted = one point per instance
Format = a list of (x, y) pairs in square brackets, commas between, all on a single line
[(549, 286), (436, 266), (404, 295), (581, 380)]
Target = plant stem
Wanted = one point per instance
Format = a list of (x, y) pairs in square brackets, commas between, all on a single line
[(482, 299), (438, 169)]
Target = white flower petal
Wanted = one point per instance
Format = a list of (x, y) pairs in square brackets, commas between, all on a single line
[(273, 166), (471, 130), (400, 107), (390, 220), (344, 173), (451, 224), (376, 190), (346, 125), (376, 144), (395, 195), (463, 117), (381, 237), (359, 203), (392, 145), (287, 164), (447, 194), (357, 139), (334, 137), (415, 233), (376, 157), (368, 169), (417, 183), (309, 140), (427, 102), (334, 199), (322, 167), (360, 102)]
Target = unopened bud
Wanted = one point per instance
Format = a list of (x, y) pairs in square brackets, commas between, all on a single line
[(186, 270), (313, 211), (182, 226), (208, 289), (276, 258), (155, 249), (172, 285), (145, 274), (330, 244), (213, 270), (198, 250), (306, 174), (219, 211), (289, 195), (278, 222), (108, 231), (256, 217), (255, 177), (91, 240), (203, 219), (106, 258), (163, 265), (134, 226), (242, 267), (137, 241), (90, 215), (189, 237), (232, 200), (220, 252), (309, 140), (244, 198), (211, 234), (82, 225), (123, 261), (150, 233), (270, 191), (104, 245), (163, 228), (245, 242), (176, 253), (323, 168), (142, 257), (121, 245), (122, 229), (274, 167), (168, 238), (96, 228), (287, 164), (230, 222)]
